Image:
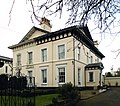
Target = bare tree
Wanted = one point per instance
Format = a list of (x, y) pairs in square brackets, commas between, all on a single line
[(104, 13)]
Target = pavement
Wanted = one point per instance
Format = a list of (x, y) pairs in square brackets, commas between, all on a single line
[(102, 98), (91, 93)]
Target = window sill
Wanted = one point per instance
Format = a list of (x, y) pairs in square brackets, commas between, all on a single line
[(44, 84), (91, 82), (61, 83)]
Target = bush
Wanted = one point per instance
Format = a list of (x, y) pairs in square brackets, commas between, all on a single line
[(69, 93), (3, 81), (45, 91), (17, 83), (55, 101)]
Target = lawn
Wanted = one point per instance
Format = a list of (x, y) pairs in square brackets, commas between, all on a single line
[(44, 99)]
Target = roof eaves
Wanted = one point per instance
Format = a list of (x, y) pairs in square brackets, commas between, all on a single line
[(6, 58), (99, 65), (89, 42), (61, 31), (20, 44), (31, 31)]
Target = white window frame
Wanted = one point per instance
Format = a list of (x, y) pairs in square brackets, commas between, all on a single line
[(79, 76), (30, 59), (18, 60), (42, 58), (30, 82), (87, 58), (64, 51), (91, 59), (79, 52), (93, 76), (44, 68), (60, 66)]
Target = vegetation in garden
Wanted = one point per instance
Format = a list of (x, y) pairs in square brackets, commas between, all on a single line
[(68, 93), (14, 92)]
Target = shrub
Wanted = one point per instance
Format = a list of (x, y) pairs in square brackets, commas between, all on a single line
[(17, 83), (3, 81), (69, 93), (55, 101)]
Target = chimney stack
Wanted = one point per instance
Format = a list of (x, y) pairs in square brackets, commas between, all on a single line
[(96, 44), (45, 24)]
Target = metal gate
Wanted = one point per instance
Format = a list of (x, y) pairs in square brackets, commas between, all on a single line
[(17, 91)]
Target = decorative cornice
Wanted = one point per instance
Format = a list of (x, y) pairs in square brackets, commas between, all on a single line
[(80, 33)]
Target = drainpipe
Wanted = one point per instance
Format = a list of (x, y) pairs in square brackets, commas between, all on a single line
[(85, 76), (52, 65), (74, 60), (100, 77)]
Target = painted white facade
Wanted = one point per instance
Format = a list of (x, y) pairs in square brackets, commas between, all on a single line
[(55, 58)]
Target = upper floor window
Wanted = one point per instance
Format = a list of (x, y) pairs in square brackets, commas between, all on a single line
[(97, 60), (87, 58), (30, 57), (61, 51), (91, 59), (18, 59), (78, 53), (44, 54)]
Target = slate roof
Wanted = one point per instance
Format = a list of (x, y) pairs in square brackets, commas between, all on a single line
[(79, 32), (94, 65), (7, 59)]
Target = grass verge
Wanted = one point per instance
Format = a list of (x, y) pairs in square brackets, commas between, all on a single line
[(44, 100)]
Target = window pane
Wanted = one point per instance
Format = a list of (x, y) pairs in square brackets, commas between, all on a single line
[(87, 58), (61, 51), (91, 76), (78, 53), (29, 57), (91, 59), (61, 72), (30, 76), (44, 75), (18, 59), (44, 55), (79, 76)]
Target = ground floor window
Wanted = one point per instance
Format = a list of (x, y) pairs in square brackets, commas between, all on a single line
[(79, 78), (91, 77), (29, 77), (61, 74), (44, 75)]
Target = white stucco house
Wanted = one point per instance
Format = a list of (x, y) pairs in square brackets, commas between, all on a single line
[(55, 58)]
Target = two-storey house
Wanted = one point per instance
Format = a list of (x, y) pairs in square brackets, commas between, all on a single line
[(55, 58)]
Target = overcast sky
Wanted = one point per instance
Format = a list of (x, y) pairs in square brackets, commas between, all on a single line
[(21, 23)]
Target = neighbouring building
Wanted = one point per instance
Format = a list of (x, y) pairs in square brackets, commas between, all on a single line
[(7, 67), (55, 58), (112, 81)]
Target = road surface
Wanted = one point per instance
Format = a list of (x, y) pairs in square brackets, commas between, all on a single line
[(108, 98)]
